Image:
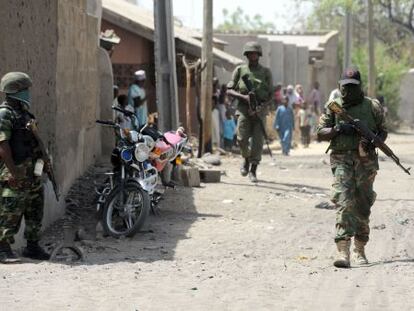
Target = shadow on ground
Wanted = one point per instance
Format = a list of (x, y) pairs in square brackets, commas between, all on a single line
[(156, 242)]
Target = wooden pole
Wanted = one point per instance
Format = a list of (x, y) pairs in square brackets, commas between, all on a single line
[(371, 51), (188, 112), (348, 39), (207, 74)]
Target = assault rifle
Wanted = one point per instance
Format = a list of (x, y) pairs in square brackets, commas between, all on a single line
[(365, 132), (255, 107), (32, 126)]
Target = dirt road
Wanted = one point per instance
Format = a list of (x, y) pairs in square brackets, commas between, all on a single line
[(237, 246)]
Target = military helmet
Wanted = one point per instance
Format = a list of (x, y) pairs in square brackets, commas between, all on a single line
[(252, 46), (14, 82)]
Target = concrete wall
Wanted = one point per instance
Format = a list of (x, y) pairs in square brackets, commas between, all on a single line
[(289, 64), (328, 72), (406, 109), (302, 68), (277, 61), (106, 79), (55, 42)]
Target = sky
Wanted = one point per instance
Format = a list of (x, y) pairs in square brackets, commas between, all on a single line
[(279, 12)]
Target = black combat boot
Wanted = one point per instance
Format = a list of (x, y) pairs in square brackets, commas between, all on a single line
[(34, 251), (6, 253), (244, 169), (252, 173)]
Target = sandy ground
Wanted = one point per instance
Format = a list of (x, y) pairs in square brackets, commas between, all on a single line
[(237, 246)]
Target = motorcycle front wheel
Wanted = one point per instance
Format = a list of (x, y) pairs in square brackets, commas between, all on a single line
[(125, 210)]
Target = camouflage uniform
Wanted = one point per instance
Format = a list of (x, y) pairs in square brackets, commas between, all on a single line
[(248, 127), (26, 201), (354, 175)]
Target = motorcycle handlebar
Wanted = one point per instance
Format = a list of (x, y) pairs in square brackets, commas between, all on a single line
[(125, 112), (110, 123)]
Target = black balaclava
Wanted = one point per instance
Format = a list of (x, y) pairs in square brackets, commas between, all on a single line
[(352, 94)]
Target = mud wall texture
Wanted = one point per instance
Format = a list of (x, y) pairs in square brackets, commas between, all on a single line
[(56, 43)]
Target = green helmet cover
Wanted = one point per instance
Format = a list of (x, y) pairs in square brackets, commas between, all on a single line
[(252, 46), (14, 82)]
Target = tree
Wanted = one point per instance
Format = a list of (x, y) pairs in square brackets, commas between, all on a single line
[(393, 21), (399, 12), (393, 32), (240, 22)]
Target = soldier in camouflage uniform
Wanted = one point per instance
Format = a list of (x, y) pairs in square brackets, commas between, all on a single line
[(21, 191), (354, 164), (249, 130)]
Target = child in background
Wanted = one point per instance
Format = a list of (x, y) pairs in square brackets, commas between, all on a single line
[(229, 130), (304, 125)]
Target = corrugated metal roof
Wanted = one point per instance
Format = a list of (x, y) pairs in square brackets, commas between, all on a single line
[(141, 22)]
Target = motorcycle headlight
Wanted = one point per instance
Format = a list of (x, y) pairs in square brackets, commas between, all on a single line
[(141, 152), (126, 155), (149, 141)]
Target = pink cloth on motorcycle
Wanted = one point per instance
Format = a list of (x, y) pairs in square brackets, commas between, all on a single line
[(172, 138)]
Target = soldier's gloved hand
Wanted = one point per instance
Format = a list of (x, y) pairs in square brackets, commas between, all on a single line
[(345, 128), (367, 145)]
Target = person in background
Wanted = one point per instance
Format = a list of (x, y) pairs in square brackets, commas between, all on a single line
[(284, 125), (313, 122), (229, 131), (314, 99), (221, 105), (116, 93), (304, 125), (278, 95), (292, 96), (215, 124), (137, 98), (250, 121), (300, 93)]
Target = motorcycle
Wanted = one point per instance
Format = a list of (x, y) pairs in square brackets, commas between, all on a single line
[(130, 192)]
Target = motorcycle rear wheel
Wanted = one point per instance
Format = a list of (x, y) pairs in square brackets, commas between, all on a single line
[(125, 210)]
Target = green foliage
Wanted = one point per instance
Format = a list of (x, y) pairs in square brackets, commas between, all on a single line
[(389, 71), (240, 22), (393, 20)]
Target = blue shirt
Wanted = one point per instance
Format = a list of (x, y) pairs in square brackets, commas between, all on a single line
[(229, 129), (285, 119)]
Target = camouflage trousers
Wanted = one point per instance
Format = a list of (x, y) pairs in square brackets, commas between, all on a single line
[(250, 137), (353, 194), (27, 203)]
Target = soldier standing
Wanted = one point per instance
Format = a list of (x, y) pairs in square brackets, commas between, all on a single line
[(250, 123), (21, 190), (354, 164)]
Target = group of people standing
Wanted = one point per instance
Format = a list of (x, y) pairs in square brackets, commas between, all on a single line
[(296, 115)]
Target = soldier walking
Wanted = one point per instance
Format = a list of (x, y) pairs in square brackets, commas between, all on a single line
[(250, 127), (21, 190), (354, 164)]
